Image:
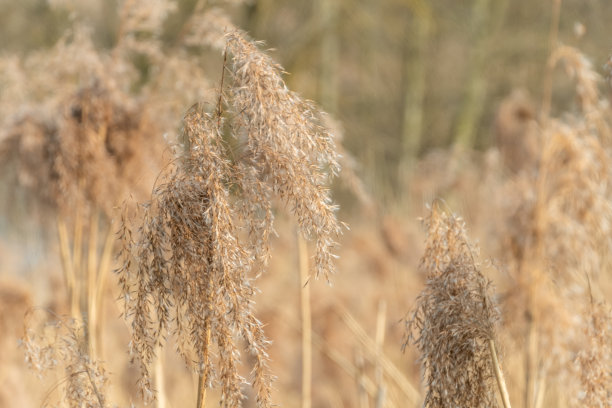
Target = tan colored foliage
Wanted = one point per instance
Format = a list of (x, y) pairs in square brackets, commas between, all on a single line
[(455, 318)]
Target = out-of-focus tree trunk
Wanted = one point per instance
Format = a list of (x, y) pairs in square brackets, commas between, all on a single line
[(415, 85), (327, 12), (476, 89), (258, 15)]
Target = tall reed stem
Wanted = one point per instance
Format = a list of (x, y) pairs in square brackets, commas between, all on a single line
[(97, 302), (202, 377), (67, 266), (306, 322), (499, 375), (159, 379), (91, 279), (381, 319)]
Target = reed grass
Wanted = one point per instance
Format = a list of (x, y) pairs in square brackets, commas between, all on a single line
[(189, 270), (455, 320)]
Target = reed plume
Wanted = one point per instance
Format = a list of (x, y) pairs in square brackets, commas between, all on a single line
[(454, 323), (189, 270), (49, 346)]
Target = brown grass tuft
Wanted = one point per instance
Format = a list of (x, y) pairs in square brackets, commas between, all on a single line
[(455, 317)]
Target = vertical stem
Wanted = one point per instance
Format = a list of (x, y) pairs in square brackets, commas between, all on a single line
[(92, 266), (415, 73), (363, 399), (499, 375), (531, 358), (306, 322), (540, 391), (476, 90), (77, 256), (103, 270), (67, 266), (202, 377), (381, 319), (159, 379)]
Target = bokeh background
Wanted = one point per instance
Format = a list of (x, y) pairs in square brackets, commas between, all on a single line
[(426, 95)]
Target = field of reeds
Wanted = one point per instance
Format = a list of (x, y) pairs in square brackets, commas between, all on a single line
[(385, 204)]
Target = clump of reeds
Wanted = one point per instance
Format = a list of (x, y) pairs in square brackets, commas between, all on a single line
[(78, 141), (48, 346), (558, 233), (189, 269), (454, 323)]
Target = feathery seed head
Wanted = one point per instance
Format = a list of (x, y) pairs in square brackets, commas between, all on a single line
[(205, 232), (454, 319)]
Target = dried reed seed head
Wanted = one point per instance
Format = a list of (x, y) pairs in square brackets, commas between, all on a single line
[(454, 319), (205, 231), (287, 144), (559, 230), (98, 149), (594, 361), (49, 346), (578, 66), (595, 109)]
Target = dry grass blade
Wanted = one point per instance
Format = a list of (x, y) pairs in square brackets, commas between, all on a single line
[(375, 354)]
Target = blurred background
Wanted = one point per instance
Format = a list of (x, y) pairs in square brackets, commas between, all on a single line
[(403, 77), (424, 94)]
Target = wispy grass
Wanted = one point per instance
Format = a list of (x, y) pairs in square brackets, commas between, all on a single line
[(189, 270), (455, 320)]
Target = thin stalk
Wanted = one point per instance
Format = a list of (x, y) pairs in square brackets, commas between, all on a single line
[(159, 379), (415, 87), (202, 377), (306, 322), (91, 271), (540, 391), (499, 375), (531, 361), (77, 258), (381, 319), (201, 403), (67, 266), (364, 401), (409, 390), (102, 275)]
